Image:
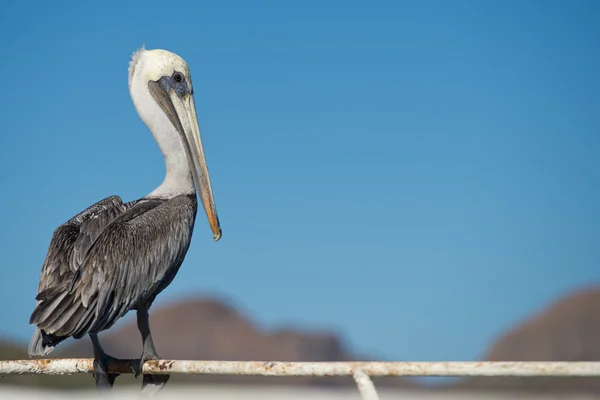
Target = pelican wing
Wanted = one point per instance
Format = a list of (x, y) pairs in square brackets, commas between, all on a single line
[(68, 246), (132, 260)]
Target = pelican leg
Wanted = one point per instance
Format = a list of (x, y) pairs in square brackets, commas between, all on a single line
[(104, 380), (150, 382)]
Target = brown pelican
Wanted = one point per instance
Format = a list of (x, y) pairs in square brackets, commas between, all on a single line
[(114, 257)]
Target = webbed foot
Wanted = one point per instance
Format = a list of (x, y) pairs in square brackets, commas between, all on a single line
[(104, 379), (151, 383)]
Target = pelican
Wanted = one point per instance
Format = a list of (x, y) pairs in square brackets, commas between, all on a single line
[(117, 256)]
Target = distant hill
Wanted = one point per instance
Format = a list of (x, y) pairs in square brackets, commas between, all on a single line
[(10, 350), (567, 330)]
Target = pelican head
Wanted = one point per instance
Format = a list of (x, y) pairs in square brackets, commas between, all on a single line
[(161, 88)]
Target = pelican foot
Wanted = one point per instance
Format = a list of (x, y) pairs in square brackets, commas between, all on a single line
[(151, 383), (104, 379)]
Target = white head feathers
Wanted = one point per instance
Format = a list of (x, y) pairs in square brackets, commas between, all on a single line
[(154, 64), (134, 59)]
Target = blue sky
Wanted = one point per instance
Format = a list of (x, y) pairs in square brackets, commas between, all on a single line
[(417, 176)]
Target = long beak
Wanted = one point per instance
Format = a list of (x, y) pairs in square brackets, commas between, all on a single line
[(182, 113)]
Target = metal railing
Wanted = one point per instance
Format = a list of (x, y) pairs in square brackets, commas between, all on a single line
[(360, 371)]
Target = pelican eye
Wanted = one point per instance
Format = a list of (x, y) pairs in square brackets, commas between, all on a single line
[(178, 77)]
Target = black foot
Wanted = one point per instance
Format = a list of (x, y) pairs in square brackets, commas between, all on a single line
[(104, 380), (151, 383)]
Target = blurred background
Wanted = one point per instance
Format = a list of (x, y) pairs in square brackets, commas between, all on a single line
[(397, 180)]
